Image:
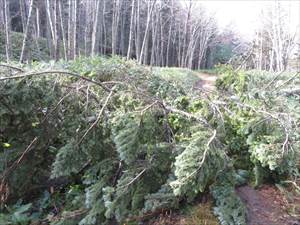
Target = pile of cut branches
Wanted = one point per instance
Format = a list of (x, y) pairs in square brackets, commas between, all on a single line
[(98, 141)]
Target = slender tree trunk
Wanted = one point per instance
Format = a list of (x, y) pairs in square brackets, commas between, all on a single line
[(62, 30), (138, 31), (2, 16), (38, 30), (186, 27), (52, 27), (169, 45), (131, 30), (95, 26), (115, 26), (88, 22), (146, 35), (104, 44), (75, 29), (70, 7), (23, 14), (27, 31), (56, 29), (7, 30)]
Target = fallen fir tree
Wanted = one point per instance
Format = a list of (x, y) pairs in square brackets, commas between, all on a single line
[(106, 141)]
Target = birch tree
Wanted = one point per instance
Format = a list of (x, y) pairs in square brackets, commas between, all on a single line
[(150, 7), (115, 25), (27, 31), (131, 29), (7, 30), (95, 26)]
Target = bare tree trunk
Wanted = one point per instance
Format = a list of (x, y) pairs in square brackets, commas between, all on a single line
[(122, 50), (104, 43), (115, 26), (87, 30), (7, 30), (27, 31), (162, 41), (168, 45), (95, 26), (38, 30), (138, 31), (23, 14), (52, 28), (2, 16), (146, 35), (186, 27), (131, 30), (62, 30), (56, 29), (154, 41), (70, 7), (75, 29)]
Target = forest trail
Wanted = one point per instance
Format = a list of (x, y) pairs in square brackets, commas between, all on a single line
[(207, 81), (266, 206)]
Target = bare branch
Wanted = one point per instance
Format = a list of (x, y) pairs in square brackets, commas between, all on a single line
[(55, 72)]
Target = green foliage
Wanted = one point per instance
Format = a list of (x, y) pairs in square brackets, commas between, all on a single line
[(185, 77), (66, 162), (229, 208), (231, 80), (23, 107), (156, 145), (197, 165), (126, 137), (18, 214)]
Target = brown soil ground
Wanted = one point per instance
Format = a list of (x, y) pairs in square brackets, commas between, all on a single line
[(266, 206), (207, 81)]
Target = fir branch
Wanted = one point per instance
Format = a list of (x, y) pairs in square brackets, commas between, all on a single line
[(203, 157), (134, 179), (287, 81), (98, 118), (54, 72), (12, 67), (186, 114)]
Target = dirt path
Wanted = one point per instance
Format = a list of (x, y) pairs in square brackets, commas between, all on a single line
[(207, 81), (266, 206)]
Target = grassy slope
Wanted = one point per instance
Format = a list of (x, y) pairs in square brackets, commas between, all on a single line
[(186, 77)]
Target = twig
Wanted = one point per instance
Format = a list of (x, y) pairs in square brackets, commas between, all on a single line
[(12, 67), (18, 161), (59, 102), (134, 179), (98, 118), (53, 72), (284, 145), (186, 114), (246, 59), (287, 81), (276, 76), (117, 174), (203, 157), (148, 107)]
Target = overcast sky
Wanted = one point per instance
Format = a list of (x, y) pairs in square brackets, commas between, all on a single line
[(244, 14)]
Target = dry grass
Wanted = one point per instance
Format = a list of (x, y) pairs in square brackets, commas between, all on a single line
[(200, 214)]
